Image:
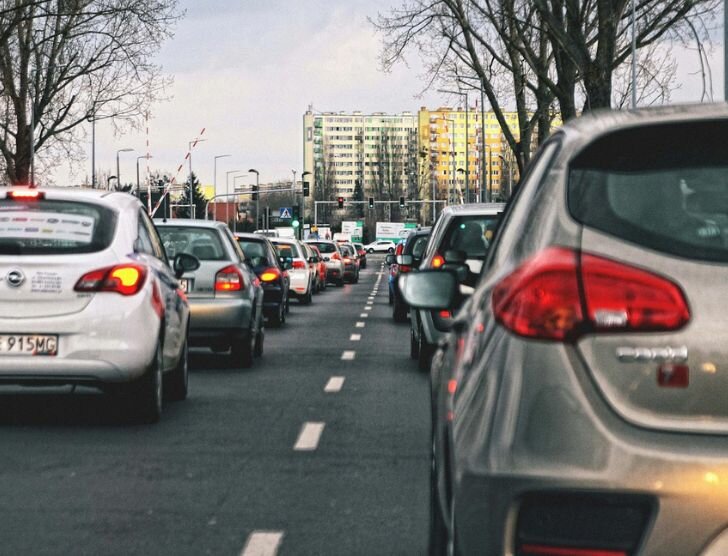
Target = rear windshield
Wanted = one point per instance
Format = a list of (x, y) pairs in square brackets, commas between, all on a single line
[(471, 234), (663, 187), (346, 249), (284, 250), (203, 243), (326, 247), (47, 227), (255, 251), (416, 247)]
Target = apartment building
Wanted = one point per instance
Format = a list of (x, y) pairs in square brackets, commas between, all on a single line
[(345, 151)]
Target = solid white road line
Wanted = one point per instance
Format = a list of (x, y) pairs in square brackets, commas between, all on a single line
[(355, 337), (361, 324), (334, 384), (309, 437), (262, 543), (348, 355)]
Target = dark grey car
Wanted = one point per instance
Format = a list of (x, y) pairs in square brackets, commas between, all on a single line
[(580, 404)]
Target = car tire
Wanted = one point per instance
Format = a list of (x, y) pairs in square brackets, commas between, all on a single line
[(399, 311), (390, 250), (259, 341), (176, 381), (288, 305), (340, 283), (145, 396), (438, 537), (414, 347), (370, 251), (242, 349), (306, 299), (425, 351), (277, 319), (391, 297)]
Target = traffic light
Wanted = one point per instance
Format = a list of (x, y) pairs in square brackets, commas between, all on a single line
[(255, 193), (371, 202), (340, 200), (306, 189), (401, 202)]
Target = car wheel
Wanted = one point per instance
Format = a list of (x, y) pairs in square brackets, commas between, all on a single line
[(370, 251), (424, 352), (146, 394), (241, 352), (279, 317), (306, 299), (259, 340), (414, 347), (340, 282), (390, 250), (176, 382), (399, 312), (391, 297)]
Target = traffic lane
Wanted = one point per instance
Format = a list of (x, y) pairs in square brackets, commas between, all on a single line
[(163, 485)]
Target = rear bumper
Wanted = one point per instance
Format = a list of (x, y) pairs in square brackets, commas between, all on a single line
[(113, 340), (218, 319)]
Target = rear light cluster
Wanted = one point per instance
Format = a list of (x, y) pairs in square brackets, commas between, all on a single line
[(581, 524), (270, 274), (347, 260), (299, 265), (336, 257), (25, 195), (437, 261), (229, 279), (125, 279), (562, 294)]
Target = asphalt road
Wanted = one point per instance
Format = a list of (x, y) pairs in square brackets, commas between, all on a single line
[(254, 462)]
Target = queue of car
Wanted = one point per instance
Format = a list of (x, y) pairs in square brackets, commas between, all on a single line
[(577, 358), (97, 294)]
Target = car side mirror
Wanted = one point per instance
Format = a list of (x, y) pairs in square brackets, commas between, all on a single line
[(390, 259), (184, 262), (429, 289), (312, 259), (406, 260)]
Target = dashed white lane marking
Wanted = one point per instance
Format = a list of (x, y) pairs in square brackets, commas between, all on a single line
[(370, 302), (348, 355), (309, 437), (360, 324), (355, 337), (334, 384), (363, 315), (262, 543), (368, 308)]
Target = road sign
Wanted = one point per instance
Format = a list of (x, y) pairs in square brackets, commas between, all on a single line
[(285, 212)]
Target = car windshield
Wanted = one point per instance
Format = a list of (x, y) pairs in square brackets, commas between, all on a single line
[(47, 227), (203, 243), (471, 234)]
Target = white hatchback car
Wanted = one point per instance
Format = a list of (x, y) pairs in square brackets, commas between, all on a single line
[(87, 297)]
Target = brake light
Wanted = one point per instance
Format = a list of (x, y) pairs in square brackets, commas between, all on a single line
[(336, 257), (445, 314), (229, 279), (299, 264), (347, 260), (25, 195), (403, 268), (437, 261), (126, 279), (561, 294), (270, 275)]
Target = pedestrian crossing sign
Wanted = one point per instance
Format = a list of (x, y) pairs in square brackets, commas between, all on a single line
[(285, 212)]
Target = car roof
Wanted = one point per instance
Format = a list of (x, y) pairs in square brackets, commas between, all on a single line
[(115, 200), (188, 222)]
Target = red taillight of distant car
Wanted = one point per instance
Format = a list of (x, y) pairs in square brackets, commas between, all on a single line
[(270, 275), (299, 265), (229, 279), (25, 195), (561, 294), (336, 257), (125, 279)]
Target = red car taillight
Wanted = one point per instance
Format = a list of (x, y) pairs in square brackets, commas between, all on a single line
[(229, 279), (126, 279), (270, 275), (25, 195), (404, 269), (561, 294), (299, 264)]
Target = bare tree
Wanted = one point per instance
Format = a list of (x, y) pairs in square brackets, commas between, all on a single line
[(64, 62)]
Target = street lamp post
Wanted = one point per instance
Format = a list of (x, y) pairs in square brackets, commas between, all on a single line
[(227, 193), (118, 174), (257, 196), (146, 156), (453, 159), (214, 177), (190, 144), (235, 216), (510, 176)]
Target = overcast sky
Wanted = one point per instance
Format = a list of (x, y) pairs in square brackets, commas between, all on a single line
[(246, 71)]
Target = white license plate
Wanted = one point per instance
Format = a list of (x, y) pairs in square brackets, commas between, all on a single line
[(28, 344), (184, 284)]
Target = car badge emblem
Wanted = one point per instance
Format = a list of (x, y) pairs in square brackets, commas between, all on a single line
[(15, 278)]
